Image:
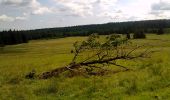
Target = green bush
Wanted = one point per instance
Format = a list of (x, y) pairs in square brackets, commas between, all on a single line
[(139, 35)]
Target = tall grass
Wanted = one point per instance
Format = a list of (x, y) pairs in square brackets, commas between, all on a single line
[(150, 79)]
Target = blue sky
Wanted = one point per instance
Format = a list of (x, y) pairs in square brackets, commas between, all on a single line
[(33, 14)]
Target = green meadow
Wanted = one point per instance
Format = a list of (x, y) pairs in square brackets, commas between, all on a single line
[(149, 79)]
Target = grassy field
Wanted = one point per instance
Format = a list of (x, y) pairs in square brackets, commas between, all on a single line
[(150, 79)]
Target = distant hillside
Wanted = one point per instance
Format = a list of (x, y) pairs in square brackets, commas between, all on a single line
[(146, 26)]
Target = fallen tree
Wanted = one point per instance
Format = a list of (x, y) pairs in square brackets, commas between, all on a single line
[(95, 53)]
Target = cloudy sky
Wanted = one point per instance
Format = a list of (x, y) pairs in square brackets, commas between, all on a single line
[(33, 14)]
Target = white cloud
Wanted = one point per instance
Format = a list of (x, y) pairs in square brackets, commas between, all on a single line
[(134, 10), (81, 11), (33, 5), (107, 2), (38, 9), (161, 6), (15, 2), (160, 9), (6, 18), (116, 15), (137, 9), (25, 16), (85, 7), (11, 1), (21, 18), (41, 10), (77, 7)]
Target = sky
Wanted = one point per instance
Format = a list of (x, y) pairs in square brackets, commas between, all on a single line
[(36, 14)]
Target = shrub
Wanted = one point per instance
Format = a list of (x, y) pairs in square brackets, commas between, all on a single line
[(128, 36), (160, 31), (139, 35)]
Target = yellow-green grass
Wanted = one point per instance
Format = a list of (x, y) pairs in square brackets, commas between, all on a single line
[(150, 79)]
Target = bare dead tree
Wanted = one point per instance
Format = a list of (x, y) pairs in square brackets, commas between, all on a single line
[(95, 53)]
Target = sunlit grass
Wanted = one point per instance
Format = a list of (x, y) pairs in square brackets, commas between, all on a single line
[(150, 79)]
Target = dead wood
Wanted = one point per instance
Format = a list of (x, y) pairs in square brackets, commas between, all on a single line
[(103, 53)]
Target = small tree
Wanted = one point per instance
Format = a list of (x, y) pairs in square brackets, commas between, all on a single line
[(93, 55), (2, 47), (160, 31), (128, 36), (139, 35), (2, 44)]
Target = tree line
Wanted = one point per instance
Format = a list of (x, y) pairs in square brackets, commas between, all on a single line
[(12, 37), (23, 36)]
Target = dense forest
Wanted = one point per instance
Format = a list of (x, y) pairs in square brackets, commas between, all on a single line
[(23, 36)]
